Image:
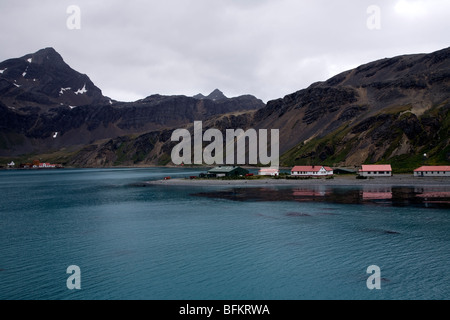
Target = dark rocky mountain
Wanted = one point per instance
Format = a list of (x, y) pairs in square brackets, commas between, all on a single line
[(152, 148), (43, 80), (47, 106), (215, 95), (388, 111), (391, 110)]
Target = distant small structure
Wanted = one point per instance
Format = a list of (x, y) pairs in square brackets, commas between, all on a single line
[(46, 165), (227, 172), (311, 171), (269, 172), (432, 171), (36, 164), (11, 165), (376, 170)]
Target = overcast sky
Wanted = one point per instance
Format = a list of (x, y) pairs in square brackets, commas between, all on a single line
[(267, 48)]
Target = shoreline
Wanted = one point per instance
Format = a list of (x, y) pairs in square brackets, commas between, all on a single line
[(399, 180)]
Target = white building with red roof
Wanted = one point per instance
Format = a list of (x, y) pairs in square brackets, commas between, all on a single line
[(376, 170), (432, 171), (46, 165), (311, 171), (274, 172)]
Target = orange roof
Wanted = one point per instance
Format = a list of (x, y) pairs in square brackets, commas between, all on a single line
[(309, 168), (433, 168), (376, 167)]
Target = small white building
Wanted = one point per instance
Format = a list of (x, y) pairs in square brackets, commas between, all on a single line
[(11, 165), (269, 172), (432, 171), (46, 165), (311, 171), (376, 170)]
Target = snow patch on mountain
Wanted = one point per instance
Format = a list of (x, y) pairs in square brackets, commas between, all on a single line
[(61, 92), (81, 91)]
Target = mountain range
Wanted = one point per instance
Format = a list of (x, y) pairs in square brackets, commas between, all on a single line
[(42, 97), (393, 110)]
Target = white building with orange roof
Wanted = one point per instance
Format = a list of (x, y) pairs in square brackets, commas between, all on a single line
[(376, 170), (274, 172), (432, 171)]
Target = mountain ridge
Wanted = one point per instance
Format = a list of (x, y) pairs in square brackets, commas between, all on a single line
[(381, 111), (40, 95), (390, 110)]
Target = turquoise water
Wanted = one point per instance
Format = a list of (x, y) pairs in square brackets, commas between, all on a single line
[(190, 243)]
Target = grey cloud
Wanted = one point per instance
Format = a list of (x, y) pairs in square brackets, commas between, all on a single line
[(266, 48)]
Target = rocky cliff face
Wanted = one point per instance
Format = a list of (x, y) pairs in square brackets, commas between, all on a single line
[(153, 148), (392, 110)]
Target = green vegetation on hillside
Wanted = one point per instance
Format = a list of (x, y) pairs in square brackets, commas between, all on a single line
[(382, 137)]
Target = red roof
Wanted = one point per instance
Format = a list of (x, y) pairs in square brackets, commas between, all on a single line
[(433, 168), (309, 168), (376, 167)]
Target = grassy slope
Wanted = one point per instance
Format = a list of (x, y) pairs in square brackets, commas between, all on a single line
[(333, 149)]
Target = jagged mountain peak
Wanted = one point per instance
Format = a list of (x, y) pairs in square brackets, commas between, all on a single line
[(199, 96), (215, 95), (43, 79), (43, 56)]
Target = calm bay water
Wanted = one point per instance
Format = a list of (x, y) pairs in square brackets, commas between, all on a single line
[(177, 242)]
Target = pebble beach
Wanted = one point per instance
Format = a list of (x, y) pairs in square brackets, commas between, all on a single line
[(345, 180)]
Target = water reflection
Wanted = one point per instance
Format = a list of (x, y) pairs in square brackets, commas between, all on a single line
[(425, 196), (377, 193)]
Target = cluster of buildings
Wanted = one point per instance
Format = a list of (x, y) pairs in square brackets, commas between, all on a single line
[(378, 170), (36, 164), (386, 171)]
